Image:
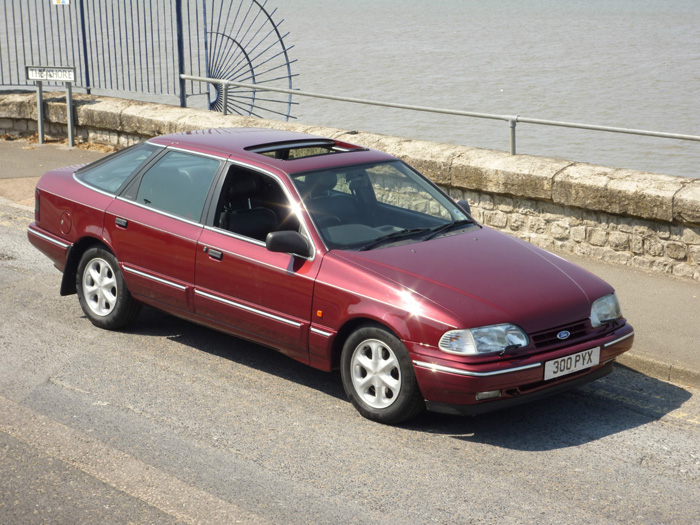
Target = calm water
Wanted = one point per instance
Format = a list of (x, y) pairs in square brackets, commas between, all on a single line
[(626, 63), (623, 63)]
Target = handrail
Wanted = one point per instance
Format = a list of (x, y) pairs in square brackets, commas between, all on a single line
[(511, 119)]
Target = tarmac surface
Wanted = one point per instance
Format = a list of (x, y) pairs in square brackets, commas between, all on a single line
[(664, 310)]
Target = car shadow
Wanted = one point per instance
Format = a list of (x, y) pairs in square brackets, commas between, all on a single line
[(152, 322), (619, 402), (624, 400)]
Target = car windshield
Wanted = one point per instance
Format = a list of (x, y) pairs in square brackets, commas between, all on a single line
[(367, 206)]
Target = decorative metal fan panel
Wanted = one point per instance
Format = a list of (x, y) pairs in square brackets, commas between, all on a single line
[(245, 45)]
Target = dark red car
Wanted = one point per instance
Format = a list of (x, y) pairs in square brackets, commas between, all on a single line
[(336, 255)]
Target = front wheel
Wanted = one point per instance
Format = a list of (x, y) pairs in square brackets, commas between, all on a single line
[(102, 292), (378, 377)]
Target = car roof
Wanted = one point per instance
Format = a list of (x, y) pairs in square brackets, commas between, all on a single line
[(256, 145)]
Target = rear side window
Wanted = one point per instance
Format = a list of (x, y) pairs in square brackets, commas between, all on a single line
[(178, 184), (109, 174)]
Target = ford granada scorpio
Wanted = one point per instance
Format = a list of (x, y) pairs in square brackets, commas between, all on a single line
[(339, 256)]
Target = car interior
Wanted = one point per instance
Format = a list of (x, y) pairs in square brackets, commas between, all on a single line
[(253, 205), (343, 204)]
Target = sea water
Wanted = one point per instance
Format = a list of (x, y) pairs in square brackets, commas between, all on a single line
[(622, 63)]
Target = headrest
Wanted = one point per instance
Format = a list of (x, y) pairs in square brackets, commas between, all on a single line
[(243, 184), (358, 179), (324, 183)]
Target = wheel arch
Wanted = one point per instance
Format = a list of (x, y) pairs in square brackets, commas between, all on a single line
[(75, 253), (348, 328)]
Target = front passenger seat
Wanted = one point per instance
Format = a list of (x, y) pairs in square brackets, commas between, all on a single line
[(240, 217)]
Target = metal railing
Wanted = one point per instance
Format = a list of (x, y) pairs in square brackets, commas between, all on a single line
[(512, 120), (143, 46), (114, 46)]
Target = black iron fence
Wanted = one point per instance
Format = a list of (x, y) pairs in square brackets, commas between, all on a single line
[(143, 47)]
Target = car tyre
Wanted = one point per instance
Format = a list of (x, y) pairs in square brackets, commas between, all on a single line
[(378, 376), (102, 292)]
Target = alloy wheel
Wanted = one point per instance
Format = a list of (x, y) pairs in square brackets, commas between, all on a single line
[(376, 373)]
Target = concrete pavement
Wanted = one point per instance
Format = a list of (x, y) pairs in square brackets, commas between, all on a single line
[(664, 310), (22, 162)]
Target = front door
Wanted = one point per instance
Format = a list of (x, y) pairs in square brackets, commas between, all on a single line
[(262, 295)]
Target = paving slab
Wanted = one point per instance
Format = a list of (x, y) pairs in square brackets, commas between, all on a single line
[(23, 161), (23, 158)]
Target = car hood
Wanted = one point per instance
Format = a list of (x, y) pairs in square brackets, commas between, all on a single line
[(482, 277)]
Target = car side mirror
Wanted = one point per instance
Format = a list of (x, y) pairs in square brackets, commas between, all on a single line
[(462, 203), (287, 241)]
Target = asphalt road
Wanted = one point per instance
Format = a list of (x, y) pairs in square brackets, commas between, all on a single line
[(171, 422)]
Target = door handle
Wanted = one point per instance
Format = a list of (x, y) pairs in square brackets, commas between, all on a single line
[(122, 223), (215, 254)]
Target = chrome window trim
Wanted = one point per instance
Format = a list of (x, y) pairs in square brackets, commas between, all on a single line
[(160, 212), (91, 187), (321, 332), (250, 240), (154, 278), (235, 235), (185, 150), (245, 257), (49, 239), (103, 192), (248, 308), (450, 370), (618, 340)]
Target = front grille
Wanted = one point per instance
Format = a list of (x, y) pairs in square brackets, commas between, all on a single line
[(548, 338)]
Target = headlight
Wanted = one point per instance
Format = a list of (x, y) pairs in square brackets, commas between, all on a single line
[(483, 340), (605, 309)]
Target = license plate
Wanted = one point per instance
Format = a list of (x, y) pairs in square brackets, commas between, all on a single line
[(571, 363)]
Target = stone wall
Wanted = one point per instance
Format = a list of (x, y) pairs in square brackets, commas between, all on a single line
[(633, 218)]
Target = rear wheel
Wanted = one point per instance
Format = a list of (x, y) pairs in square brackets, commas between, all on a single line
[(378, 376), (102, 292)]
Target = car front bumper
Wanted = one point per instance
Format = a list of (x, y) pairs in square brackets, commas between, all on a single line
[(452, 387)]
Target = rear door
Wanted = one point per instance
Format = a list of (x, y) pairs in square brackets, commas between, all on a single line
[(154, 227)]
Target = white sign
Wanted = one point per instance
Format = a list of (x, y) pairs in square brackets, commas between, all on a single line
[(51, 74)]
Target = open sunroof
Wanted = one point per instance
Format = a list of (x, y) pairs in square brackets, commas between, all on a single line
[(300, 149)]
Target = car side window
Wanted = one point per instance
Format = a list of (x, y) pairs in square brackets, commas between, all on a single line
[(109, 174), (178, 184), (252, 205)]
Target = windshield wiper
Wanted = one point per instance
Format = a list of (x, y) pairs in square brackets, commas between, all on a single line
[(443, 228), (394, 236)]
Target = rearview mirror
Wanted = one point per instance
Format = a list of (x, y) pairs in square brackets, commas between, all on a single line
[(462, 203), (288, 242)]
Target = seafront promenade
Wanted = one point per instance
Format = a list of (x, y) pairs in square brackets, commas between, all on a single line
[(664, 310)]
